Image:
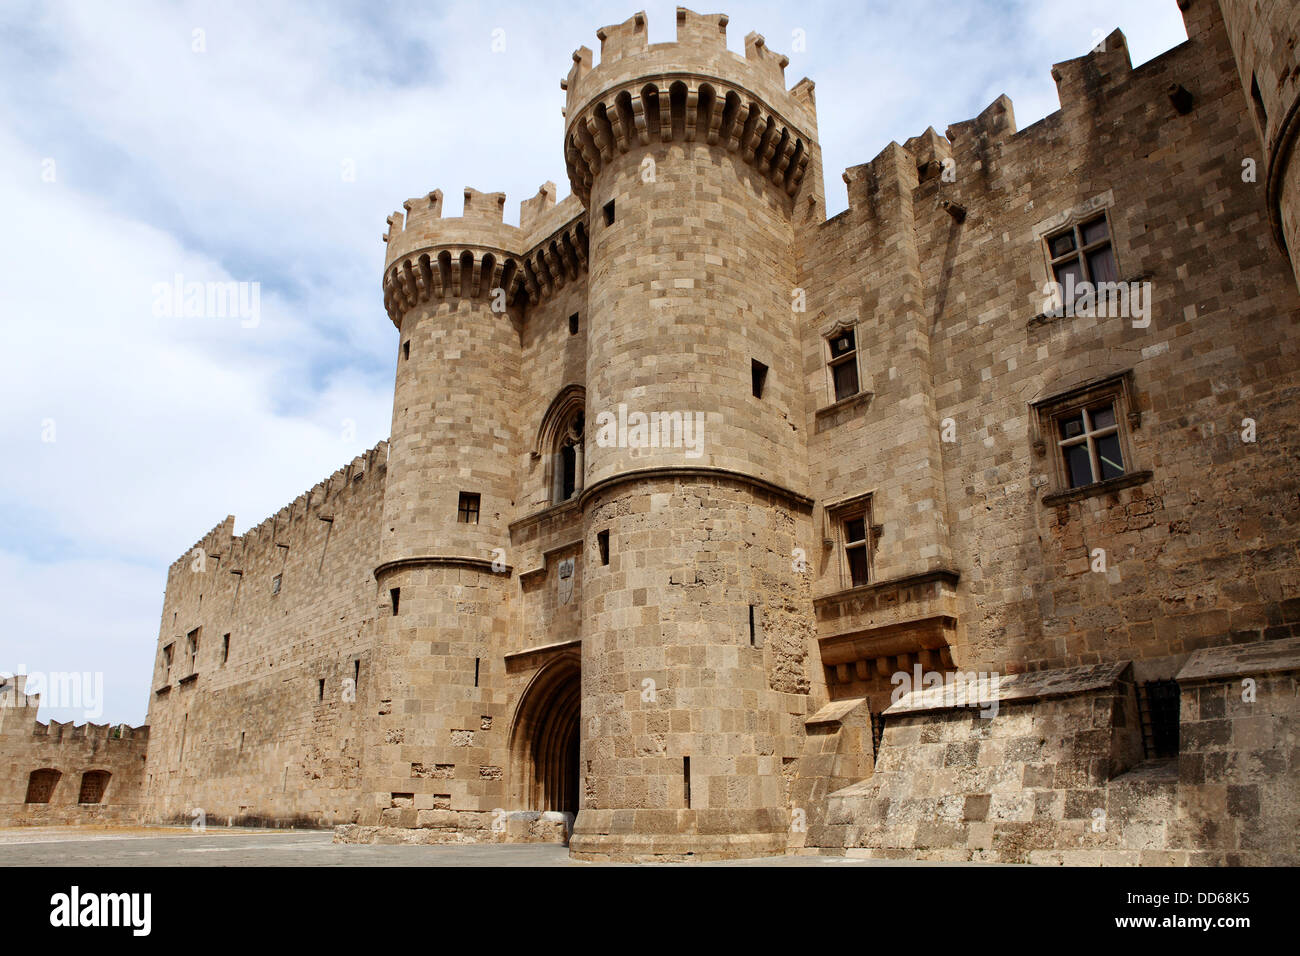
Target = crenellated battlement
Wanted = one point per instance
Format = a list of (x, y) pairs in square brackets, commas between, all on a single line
[(700, 48), (1083, 79), (424, 228), (1083, 85), (18, 712), (474, 255), (694, 89), (235, 550), (215, 542), (59, 732)]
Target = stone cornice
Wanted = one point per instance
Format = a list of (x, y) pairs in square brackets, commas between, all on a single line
[(440, 561), (725, 474)]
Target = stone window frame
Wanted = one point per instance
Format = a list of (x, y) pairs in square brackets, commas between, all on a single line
[(468, 504), (837, 514), (168, 653), (1045, 415), (192, 640), (562, 433), (1082, 249), (832, 361), (1041, 271)]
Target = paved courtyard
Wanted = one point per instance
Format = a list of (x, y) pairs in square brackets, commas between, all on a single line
[(180, 846)]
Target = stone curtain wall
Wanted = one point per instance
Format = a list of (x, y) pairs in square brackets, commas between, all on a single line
[(254, 736), (1203, 549)]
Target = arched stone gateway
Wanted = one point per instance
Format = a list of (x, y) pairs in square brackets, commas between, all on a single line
[(544, 740)]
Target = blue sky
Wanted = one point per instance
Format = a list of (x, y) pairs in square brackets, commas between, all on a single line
[(126, 157)]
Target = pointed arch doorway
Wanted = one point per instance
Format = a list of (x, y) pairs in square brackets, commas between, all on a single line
[(545, 739)]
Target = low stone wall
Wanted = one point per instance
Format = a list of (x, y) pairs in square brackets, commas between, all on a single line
[(66, 753), (1239, 760), (1056, 776), (451, 826)]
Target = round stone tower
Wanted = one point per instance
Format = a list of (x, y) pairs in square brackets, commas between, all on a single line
[(1264, 42), (443, 577), (694, 164)]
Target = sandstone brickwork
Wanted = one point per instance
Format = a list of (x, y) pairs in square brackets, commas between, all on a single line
[(65, 773), (696, 501), (263, 723)]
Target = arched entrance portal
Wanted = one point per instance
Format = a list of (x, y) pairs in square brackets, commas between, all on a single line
[(544, 739)]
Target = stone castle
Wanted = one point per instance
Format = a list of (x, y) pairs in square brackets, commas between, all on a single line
[(961, 525)]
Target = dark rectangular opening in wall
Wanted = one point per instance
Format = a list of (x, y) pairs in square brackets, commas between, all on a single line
[(225, 648), (467, 508), (609, 213), (1257, 99), (476, 663), (356, 673), (686, 780), (758, 371), (573, 324), (320, 689), (395, 595), (1158, 710), (406, 349), (602, 542), (877, 734), (751, 626)]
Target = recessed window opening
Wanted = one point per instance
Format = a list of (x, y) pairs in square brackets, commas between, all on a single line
[(1090, 443), (844, 363), (855, 549), (1158, 707), (1083, 254)]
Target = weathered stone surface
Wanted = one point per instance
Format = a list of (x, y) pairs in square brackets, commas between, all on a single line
[(517, 608)]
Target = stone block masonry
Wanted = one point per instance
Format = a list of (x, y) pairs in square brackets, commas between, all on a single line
[(909, 460), (63, 773)]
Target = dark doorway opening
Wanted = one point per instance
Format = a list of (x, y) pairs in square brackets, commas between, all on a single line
[(545, 742)]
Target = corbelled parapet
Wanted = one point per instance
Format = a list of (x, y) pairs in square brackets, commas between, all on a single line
[(477, 253), (693, 90)]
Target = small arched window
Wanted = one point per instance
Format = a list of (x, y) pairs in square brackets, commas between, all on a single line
[(560, 444), (93, 785), (568, 464), (41, 784)]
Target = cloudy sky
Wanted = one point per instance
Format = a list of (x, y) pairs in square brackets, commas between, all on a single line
[(269, 148)]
